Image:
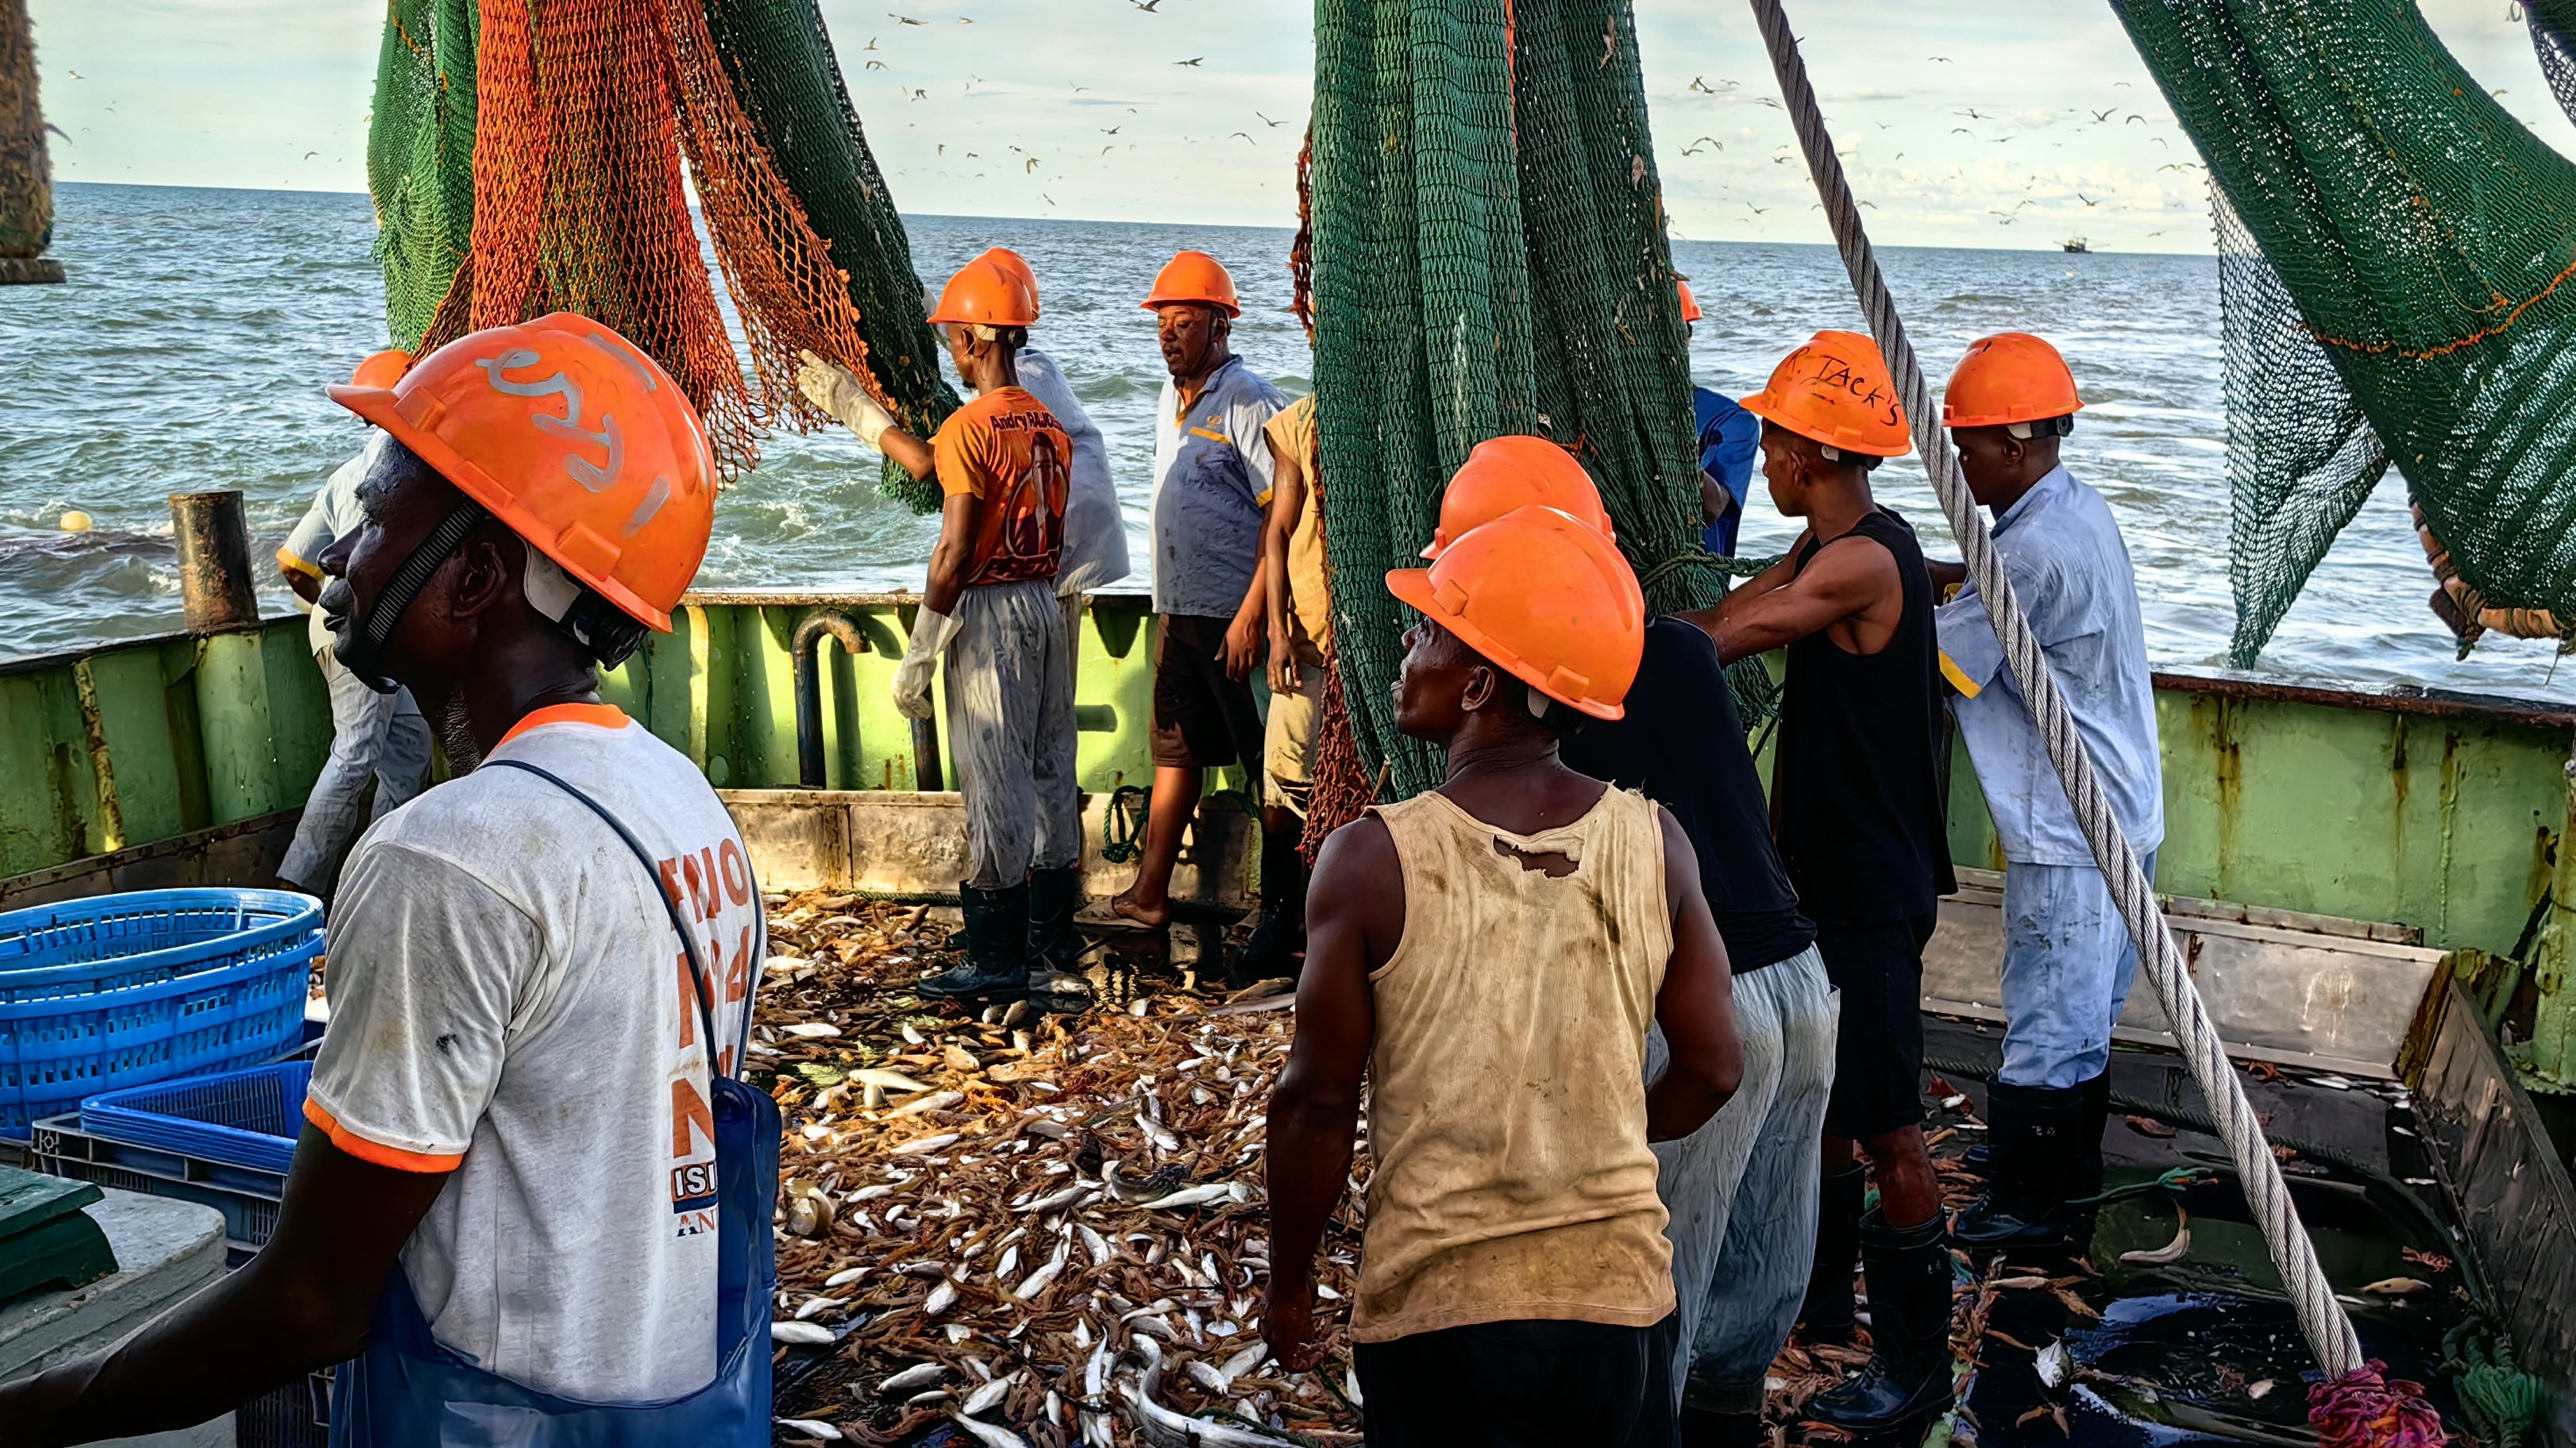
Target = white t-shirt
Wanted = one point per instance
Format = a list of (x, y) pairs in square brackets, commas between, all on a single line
[(508, 1004)]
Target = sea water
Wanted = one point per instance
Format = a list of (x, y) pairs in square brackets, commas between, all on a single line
[(190, 346)]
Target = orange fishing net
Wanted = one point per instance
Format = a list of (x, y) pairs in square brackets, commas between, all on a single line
[(586, 109)]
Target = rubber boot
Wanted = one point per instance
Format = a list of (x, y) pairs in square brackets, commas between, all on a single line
[(1826, 1315), (1909, 1374), (1055, 947), (2038, 1134), (2084, 1179), (996, 966), (1281, 933)]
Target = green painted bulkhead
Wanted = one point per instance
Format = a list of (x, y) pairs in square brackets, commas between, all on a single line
[(2438, 812)]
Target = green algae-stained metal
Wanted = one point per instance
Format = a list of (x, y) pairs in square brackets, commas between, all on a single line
[(2440, 813), (146, 741)]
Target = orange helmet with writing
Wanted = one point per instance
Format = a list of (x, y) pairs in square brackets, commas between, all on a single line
[(1836, 391), (1545, 597), (1505, 474), (576, 440)]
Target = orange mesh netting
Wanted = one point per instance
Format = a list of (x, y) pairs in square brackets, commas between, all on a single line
[(585, 110)]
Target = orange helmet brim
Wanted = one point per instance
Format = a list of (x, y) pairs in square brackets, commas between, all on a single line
[(1412, 588)]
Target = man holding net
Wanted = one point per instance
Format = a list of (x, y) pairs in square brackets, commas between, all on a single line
[(1861, 828)]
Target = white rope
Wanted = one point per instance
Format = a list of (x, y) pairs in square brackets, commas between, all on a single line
[(2321, 1318)]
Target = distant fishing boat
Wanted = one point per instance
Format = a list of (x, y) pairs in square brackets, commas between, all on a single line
[(2076, 244)]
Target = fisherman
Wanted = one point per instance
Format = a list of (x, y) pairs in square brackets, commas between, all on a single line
[(1515, 1285), (1728, 439), (373, 736), (2068, 960), (1213, 477), (1740, 1191), (1300, 614), (522, 1175), (1859, 820), (989, 604)]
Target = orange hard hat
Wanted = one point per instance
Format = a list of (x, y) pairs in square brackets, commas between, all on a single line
[(1690, 304), (1194, 276), (1836, 391), (986, 293), (576, 440), (1505, 474), (2007, 378), (383, 369), (1012, 262), (1544, 596)]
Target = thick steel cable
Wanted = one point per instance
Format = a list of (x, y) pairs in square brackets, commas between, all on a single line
[(2321, 1318)]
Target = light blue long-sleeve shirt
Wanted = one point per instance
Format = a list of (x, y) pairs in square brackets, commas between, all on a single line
[(2070, 570)]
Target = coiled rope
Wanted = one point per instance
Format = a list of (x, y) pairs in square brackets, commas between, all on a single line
[(2329, 1332)]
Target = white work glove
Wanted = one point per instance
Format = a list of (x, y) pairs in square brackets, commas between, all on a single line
[(931, 632), (838, 391)]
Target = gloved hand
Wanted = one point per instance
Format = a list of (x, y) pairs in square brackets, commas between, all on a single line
[(931, 632), (838, 391)]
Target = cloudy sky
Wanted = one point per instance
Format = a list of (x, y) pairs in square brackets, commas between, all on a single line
[(2025, 124)]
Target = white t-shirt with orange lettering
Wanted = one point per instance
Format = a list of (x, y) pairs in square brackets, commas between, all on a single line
[(508, 1004)]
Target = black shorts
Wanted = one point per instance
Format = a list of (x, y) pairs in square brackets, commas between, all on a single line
[(1878, 1057), (1522, 1385), (1202, 719)]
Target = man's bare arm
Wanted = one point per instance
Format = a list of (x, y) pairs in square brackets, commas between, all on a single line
[(1843, 580), (1287, 500), (959, 515), (1354, 917), (305, 1301), (1777, 576), (1696, 1006)]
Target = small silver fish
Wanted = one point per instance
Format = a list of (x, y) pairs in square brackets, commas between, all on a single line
[(814, 1030), (924, 1146), (942, 1297), (845, 1277), (935, 1101), (917, 1376), (804, 1334), (1198, 1196), (988, 1434), (989, 1394), (811, 1428)]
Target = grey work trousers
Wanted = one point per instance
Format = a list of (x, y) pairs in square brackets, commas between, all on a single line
[(373, 736), (1741, 1190), (1010, 732)]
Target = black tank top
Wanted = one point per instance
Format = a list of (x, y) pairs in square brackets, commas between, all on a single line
[(1856, 789), (1681, 743)]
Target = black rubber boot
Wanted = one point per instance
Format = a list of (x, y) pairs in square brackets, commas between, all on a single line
[(1705, 1428), (2039, 1152), (2085, 1178), (1909, 1375), (1056, 982), (1281, 933), (1826, 1315), (997, 947)]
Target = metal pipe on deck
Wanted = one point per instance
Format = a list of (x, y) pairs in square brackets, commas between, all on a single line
[(214, 561), (805, 650)]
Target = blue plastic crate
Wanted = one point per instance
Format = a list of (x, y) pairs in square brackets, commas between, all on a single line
[(127, 990), (241, 1118)]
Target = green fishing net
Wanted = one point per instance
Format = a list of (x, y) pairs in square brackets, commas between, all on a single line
[(2393, 246), (1489, 257), (788, 82), (420, 156)]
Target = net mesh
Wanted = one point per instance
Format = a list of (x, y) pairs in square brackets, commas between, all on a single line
[(581, 115), (2379, 201), (1489, 255), (420, 157)]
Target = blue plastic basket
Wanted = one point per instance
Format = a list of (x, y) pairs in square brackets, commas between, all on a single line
[(242, 1118), (127, 990)]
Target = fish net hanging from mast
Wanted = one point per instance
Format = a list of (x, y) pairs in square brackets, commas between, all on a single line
[(1489, 257), (582, 115), (2394, 252)]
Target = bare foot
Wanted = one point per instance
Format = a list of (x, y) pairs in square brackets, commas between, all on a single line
[(1127, 903)]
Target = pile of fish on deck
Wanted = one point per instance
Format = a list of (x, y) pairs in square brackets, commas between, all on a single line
[(1044, 1229)]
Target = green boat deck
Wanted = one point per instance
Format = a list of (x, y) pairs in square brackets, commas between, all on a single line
[(185, 757)]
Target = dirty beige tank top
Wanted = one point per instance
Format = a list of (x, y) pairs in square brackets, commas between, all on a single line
[(1506, 1118)]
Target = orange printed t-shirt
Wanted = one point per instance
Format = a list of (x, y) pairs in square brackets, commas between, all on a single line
[(1007, 449)]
